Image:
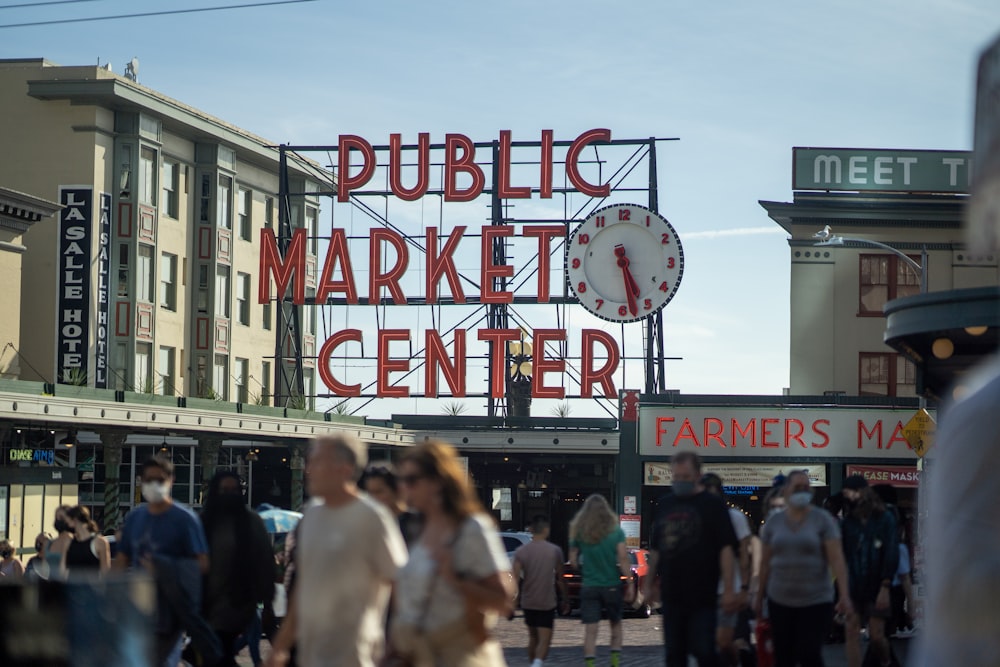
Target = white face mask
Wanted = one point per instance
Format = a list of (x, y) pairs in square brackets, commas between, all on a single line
[(800, 499), (155, 492)]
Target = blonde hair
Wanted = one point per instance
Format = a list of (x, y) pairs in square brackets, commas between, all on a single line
[(594, 521), (438, 460)]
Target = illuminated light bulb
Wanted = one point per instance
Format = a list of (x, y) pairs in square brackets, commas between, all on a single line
[(943, 348), (976, 331)]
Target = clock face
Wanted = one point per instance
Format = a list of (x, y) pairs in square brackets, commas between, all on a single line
[(624, 262)]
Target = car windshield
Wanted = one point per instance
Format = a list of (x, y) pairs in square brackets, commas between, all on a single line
[(633, 557)]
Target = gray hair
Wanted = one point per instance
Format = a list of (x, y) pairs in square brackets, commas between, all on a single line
[(348, 449)]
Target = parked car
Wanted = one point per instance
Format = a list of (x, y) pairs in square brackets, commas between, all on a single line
[(513, 539), (640, 571)]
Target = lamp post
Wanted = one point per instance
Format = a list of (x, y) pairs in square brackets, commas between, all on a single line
[(920, 269)]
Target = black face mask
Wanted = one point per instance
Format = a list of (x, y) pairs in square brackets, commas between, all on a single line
[(6, 554), (230, 502), (63, 526)]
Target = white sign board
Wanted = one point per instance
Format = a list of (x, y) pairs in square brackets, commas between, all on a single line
[(736, 474), (767, 432), (632, 527), (630, 505)]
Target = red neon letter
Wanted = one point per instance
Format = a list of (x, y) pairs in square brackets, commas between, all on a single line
[(491, 271), (765, 431), (714, 434), (897, 436), (443, 264), (876, 431), (750, 431), (377, 279), (790, 436), (435, 355), (396, 167), (504, 189), (337, 250), (387, 365), (588, 376), (467, 163), (817, 431), (545, 233), (346, 182), (686, 433), (545, 187), (272, 265), (573, 169), (543, 365), (660, 431), (498, 339), (326, 352)]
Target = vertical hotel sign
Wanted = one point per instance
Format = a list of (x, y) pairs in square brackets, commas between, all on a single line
[(73, 316), (103, 290)]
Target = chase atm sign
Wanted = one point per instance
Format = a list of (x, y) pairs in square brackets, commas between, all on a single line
[(865, 169)]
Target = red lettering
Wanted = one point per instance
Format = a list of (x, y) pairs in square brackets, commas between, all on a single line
[(897, 436), (863, 432), (326, 352), (337, 251), (545, 234), (387, 365), (824, 434), (545, 163), (423, 167), (686, 432), (543, 365), (498, 339), (796, 437), (437, 356), (504, 189), (765, 431), (466, 163), (714, 434), (660, 430), (750, 431), (346, 182), (491, 271), (290, 270), (443, 264), (390, 279), (573, 169), (604, 374)]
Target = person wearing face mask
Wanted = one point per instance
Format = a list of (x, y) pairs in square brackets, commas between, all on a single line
[(871, 548), (242, 569), (64, 537), (800, 548), (88, 551), (165, 538), (693, 547), (37, 568), (10, 567)]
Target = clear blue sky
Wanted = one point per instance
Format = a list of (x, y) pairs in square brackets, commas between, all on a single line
[(739, 83)]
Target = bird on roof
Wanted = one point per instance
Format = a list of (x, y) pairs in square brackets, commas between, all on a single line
[(823, 233)]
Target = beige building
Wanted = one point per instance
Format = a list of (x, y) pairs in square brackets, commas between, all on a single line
[(147, 282), (910, 201)]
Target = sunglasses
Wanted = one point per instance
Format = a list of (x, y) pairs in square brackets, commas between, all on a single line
[(410, 480)]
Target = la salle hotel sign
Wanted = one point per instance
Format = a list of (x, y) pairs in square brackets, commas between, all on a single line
[(463, 180)]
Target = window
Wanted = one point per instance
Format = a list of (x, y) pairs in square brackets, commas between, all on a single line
[(224, 211), (245, 203), (312, 229), (242, 378), (147, 176), (265, 382), (144, 273), (220, 377), (206, 198), (884, 278), (201, 378), (202, 288), (222, 291), (269, 212), (119, 367), (168, 192), (886, 374), (267, 315), (307, 388), (165, 368), (123, 252), (143, 369), (168, 281), (243, 298)]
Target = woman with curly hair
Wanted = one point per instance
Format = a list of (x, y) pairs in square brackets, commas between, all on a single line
[(597, 547), (457, 580)]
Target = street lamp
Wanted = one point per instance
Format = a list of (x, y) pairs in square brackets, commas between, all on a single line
[(920, 269)]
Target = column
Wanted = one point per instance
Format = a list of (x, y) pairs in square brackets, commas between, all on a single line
[(209, 450), (297, 463), (112, 443)]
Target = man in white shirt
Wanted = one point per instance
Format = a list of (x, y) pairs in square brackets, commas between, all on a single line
[(349, 549), (726, 627)]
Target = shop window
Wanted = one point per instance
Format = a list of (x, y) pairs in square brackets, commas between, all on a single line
[(886, 374), (884, 278)]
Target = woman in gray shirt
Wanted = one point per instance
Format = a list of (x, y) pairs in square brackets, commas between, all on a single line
[(800, 548)]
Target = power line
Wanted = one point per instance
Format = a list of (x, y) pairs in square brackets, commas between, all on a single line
[(47, 2), (162, 13)]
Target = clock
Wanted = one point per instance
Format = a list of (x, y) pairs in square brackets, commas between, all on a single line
[(624, 262)]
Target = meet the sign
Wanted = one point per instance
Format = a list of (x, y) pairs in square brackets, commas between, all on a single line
[(761, 432), (881, 170), (73, 317)]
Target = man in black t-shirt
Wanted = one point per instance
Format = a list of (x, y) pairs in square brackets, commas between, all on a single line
[(693, 543)]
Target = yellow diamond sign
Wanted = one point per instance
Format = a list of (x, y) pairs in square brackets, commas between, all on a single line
[(919, 432)]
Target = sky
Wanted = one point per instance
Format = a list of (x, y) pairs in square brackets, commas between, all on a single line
[(738, 85)]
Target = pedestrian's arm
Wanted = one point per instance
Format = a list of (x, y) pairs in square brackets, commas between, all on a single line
[(203, 563), (515, 571), (561, 581), (624, 566), (574, 558), (726, 566), (765, 572), (746, 572), (121, 562), (103, 554)]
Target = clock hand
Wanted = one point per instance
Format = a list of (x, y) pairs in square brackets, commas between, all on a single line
[(631, 286)]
